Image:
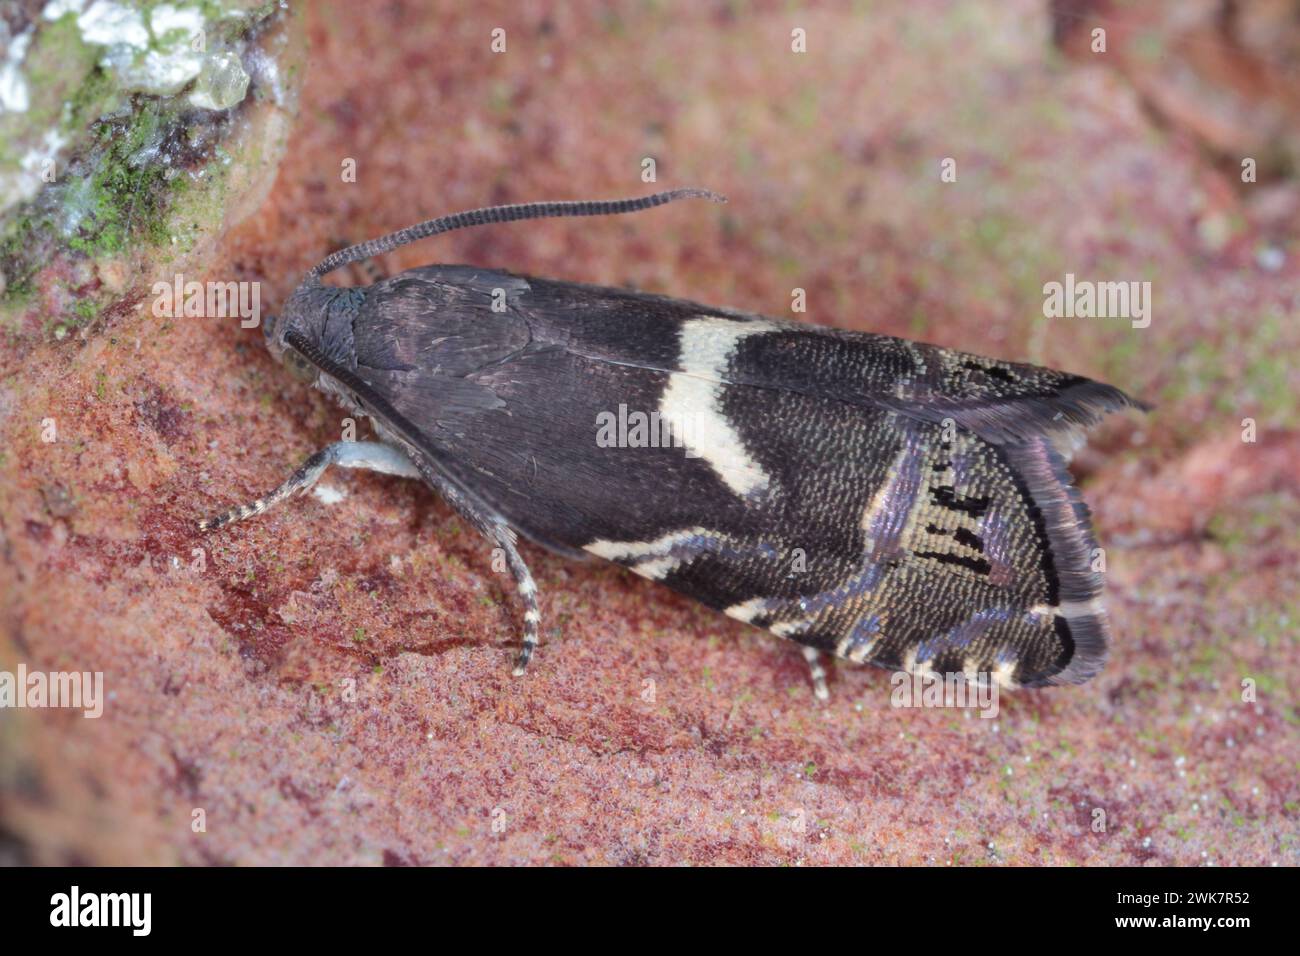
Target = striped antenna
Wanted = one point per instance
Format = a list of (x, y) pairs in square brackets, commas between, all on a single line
[(511, 213)]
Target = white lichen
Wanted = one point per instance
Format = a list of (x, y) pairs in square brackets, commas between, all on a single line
[(162, 54), (186, 22), (14, 95), (55, 9), (109, 24), (34, 167)]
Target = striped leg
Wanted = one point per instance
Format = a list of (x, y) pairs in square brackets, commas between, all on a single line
[(369, 455), (493, 527), (505, 539), (817, 672)]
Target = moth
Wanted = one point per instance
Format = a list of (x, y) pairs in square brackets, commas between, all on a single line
[(882, 500)]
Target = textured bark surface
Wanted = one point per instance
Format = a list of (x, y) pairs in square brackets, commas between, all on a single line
[(334, 685)]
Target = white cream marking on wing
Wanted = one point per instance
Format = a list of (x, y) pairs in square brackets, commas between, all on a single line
[(1092, 607), (791, 628), (658, 568), (747, 610), (690, 400), (647, 558), (1002, 675), (859, 653)]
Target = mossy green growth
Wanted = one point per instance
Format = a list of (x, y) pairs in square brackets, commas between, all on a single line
[(16, 264), (85, 311), (118, 196), (128, 194)]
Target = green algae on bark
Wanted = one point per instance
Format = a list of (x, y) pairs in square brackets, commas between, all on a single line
[(108, 173)]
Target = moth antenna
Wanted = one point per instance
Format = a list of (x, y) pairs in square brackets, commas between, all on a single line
[(510, 213)]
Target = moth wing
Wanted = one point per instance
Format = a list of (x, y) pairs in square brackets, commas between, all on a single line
[(888, 501), (418, 339)]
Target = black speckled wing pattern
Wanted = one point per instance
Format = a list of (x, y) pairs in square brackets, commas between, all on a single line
[(890, 502)]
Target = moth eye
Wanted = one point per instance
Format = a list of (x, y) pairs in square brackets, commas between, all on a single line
[(298, 366)]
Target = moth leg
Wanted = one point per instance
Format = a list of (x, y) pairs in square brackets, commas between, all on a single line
[(817, 672), (499, 533), (527, 587), (503, 536), (369, 455)]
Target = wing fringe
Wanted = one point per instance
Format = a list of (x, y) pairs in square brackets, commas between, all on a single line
[(1063, 416), (1081, 620)]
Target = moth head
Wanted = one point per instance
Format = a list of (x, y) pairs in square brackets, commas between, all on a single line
[(320, 314), (299, 367)]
